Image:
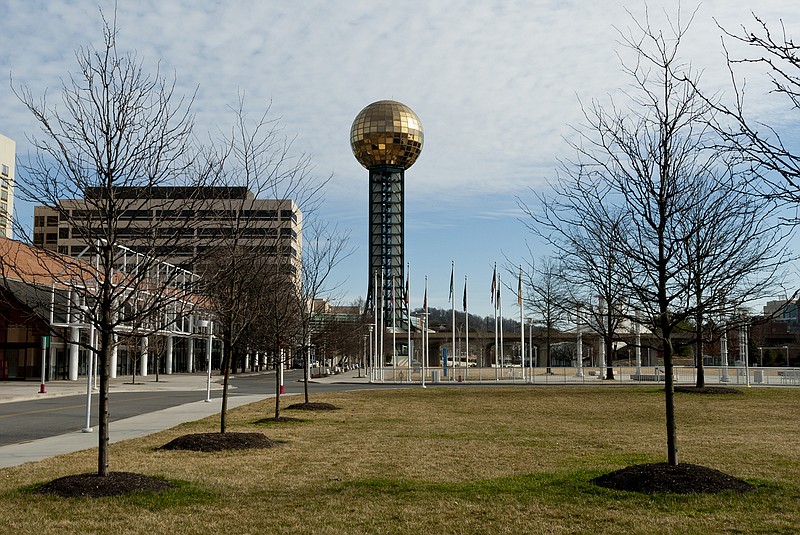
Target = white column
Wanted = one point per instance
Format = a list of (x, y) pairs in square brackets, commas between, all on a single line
[(579, 351), (743, 352), (602, 359), (145, 353), (190, 354), (723, 353), (74, 337), (638, 349), (247, 362), (51, 360), (114, 356), (170, 339)]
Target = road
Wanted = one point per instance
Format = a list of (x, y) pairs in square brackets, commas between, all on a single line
[(24, 421)]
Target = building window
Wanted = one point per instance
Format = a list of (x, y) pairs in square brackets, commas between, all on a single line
[(38, 221), (4, 195), (63, 233), (5, 169), (38, 238), (51, 237), (63, 249), (52, 221)]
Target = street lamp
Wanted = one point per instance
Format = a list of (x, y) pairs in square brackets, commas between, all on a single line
[(209, 324), (371, 355)]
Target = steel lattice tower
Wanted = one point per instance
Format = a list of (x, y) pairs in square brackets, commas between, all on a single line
[(386, 138)]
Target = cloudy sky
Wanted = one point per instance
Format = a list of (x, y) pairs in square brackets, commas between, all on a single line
[(497, 86)]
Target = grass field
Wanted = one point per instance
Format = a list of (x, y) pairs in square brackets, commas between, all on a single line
[(445, 460)]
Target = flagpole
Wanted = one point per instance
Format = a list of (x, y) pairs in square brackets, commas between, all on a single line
[(425, 331), (383, 328), (466, 331), (500, 306), (521, 323), (408, 314), (394, 332), (373, 372), (453, 312), (496, 348)]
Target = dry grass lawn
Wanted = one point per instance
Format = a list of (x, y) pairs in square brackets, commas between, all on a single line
[(445, 460)]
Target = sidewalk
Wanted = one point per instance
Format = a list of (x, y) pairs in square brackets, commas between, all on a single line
[(29, 390), (137, 426)]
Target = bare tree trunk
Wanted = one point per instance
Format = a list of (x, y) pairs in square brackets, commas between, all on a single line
[(669, 400), (306, 365), (228, 350), (609, 341), (278, 364)]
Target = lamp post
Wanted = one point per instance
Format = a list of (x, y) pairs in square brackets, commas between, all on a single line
[(89, 367), (209, 324), (371, 355), (787, 355), (45, 344), (363, 356)]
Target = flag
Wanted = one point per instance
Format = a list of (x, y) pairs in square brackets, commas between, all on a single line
[(425, 298), (494, 282), (465, 294), (405, 297), (452, 272), (519, 288)]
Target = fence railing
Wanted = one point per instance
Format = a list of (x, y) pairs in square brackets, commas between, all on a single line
[(683, 375)]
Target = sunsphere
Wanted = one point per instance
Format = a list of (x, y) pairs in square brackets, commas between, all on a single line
[(386, 134)]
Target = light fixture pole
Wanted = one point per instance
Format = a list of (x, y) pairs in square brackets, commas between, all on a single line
[(209, 324), (371, 355), (89, 367)]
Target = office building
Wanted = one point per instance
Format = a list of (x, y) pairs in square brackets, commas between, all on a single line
[(7, 159), (176, 224)]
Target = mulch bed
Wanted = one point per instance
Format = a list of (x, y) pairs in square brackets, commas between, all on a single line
[(219, 442), (312, 407), (279, 420), (95, 486), (664, 478), (709, 390)]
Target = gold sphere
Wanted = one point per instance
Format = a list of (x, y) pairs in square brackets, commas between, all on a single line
[(386, 133)]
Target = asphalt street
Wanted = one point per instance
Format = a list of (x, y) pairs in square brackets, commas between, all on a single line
[(24, 421)]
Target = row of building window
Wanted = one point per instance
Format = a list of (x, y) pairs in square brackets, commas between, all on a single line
[(265, 215), (77, 250), (173, 233)]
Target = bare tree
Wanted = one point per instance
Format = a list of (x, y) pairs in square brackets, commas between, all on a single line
[(760, 145), (735, 251), (119, 135), (324, 247), (650, 162), (584, 231), (547, 298), (255, 269)]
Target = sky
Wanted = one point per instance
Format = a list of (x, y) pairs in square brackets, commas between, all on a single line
[(497, 85)]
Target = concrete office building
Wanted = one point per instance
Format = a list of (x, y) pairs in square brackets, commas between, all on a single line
[(200, 218), (8, 150)]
